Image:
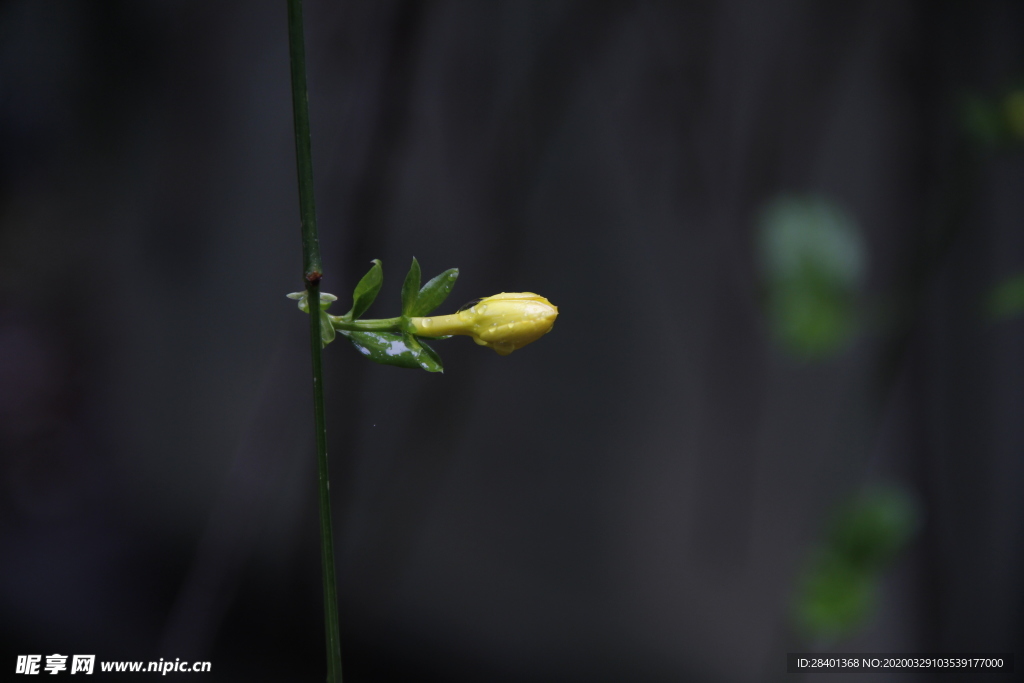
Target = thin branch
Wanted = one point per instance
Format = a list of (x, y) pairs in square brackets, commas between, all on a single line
[(313, 272)]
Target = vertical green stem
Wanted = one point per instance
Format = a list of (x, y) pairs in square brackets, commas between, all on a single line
[(313, 271)]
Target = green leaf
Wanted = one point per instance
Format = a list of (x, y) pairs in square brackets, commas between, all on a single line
[(873, 528), (980, 119), (425, 356), (813, 260), (386, 348), (326, 300), (1007, 298), (411, 288), (326, 328), (810, 318), (391, 348), (435, 292), (303, 298), (834, 599), (837, 594), (809, 232), (1013, 111), (366, 291)]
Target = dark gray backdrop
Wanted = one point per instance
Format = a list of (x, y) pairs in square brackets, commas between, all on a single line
[(631, 498)]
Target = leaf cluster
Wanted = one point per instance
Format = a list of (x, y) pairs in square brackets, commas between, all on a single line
[(399, 346), (839, 590), (813, 260)]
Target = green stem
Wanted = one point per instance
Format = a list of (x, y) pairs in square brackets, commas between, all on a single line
[(367, 325), (313, 272)]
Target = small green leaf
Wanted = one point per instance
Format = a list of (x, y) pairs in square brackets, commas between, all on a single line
[(386, 348), (411, 288), (834, 599), (837, 594), (873, 528), (366, 291), (801, 233), (326, 328), (303, 298), (391, 348), (980, 119), (1007, 298), (326, 300), (813, 258), (435, 292), (1013, 111), (811, 318), (425, 356)]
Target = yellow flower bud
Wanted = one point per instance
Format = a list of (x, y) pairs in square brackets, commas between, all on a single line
[(505, 322)]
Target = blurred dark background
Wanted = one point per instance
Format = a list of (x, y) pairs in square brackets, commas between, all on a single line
[(784, 238)]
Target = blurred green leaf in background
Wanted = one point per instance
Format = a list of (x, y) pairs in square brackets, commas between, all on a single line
[(1013, 110), (813, 259), (1006, 300), (980, 119), (838, 593), (994, 122)]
